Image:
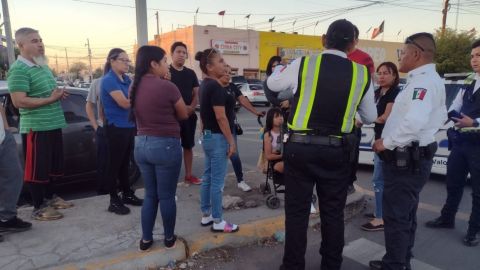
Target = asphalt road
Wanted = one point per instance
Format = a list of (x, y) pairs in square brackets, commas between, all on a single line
[(435, 249)]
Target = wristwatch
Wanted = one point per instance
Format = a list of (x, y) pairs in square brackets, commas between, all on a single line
[(475, 123)]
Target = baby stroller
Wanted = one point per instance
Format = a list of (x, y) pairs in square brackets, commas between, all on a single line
[(271, 176)]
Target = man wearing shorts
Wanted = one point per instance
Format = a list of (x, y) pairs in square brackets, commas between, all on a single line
[(34, 91), (187, 82)]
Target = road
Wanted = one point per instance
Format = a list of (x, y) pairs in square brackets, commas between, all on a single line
[(435, 249)]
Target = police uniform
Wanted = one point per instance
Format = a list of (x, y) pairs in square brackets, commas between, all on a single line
[(464, 159), (409, 137), (328, 89)]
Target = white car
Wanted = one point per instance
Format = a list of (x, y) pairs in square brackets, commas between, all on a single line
[(254, 93), (452, 86)]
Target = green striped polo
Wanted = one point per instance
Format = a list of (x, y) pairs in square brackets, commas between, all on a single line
[(38, 82)]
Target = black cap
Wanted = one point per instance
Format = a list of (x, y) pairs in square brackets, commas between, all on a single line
[(341, 31)]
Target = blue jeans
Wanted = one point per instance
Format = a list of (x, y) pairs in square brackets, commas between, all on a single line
[(215, 147), (378, 185), (236, 162), (159, 160), (11, 177)]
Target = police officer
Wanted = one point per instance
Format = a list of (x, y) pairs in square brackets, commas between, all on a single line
[(407, 147), (328, 89), (464, 156)]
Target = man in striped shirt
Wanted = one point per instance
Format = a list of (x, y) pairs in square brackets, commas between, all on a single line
[(34, 91)]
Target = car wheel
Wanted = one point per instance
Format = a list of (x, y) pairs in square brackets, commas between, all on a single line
[(133, 172)]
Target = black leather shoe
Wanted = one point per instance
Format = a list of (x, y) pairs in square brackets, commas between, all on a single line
[(375, 265), (471, 239), (440, 223), (130, 198), (116, 206)]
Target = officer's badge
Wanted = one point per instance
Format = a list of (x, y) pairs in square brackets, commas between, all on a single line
[(419, 93)]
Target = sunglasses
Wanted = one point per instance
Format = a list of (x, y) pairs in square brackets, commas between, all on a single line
[(212, 50), (410, 41)]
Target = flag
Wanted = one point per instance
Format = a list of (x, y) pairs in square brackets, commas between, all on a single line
[(221, 13), (369, 30), (271, 19), (399, 32), (378, 31), (197, 10), (294, 22), (419, 93), (317, 23), (248, 16)]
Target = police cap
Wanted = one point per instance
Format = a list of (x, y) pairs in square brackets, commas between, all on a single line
[(339, 34)]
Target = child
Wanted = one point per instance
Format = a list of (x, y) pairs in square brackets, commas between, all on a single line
[(272, 141)]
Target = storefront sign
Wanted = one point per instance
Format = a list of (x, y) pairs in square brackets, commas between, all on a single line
[(292, 53), (230, 47)]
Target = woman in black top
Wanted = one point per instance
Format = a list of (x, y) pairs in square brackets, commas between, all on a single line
[(217, 111), (388, 79)]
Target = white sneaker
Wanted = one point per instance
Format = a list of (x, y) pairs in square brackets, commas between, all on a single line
[(243, 186), (207, 221), (313, 210)]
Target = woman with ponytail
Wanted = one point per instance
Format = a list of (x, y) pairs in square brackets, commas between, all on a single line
[(157, 107), (218, 115), (119, 130)]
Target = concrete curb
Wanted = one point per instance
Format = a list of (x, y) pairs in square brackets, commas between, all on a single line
[(202, 241)]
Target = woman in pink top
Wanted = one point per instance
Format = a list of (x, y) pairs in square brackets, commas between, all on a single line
[(157, 106)]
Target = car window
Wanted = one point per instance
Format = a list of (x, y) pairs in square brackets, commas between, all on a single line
[(256, 87), (74, 109), (451, 93)]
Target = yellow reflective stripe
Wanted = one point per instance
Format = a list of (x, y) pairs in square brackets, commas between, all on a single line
[(359, 81), (302, 93), (313, 92)]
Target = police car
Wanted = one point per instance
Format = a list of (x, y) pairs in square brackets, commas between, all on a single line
[(453, 84)]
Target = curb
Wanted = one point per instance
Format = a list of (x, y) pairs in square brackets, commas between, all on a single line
[(198, 242)]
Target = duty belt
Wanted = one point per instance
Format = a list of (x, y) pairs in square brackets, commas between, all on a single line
[(314, 139)]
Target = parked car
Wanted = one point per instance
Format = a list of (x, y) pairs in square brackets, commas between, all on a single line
[(239, 80), (453, 84), (78, 137), (254, 93)]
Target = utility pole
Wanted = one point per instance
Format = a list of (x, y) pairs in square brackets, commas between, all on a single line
[(8, 33), (458, 13), (158, 25), (56, 64), (444, 12), (142, 28), (89, 60), (66, 57)]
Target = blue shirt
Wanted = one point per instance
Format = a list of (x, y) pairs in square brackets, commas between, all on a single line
[(115, 114)]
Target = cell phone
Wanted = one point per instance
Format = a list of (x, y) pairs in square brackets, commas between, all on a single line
[(454, 114)]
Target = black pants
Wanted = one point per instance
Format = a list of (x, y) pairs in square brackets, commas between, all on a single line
[(464, 158), (353, 174), (102, 158), (328, 169), (400, 202), (120, 147)]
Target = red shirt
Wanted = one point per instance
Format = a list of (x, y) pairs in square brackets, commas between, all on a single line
[(155, 107), (360, 57)]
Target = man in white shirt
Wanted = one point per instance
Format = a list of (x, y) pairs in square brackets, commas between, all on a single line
[(11, 180), (328, 90), (464, 141), (407, 147)]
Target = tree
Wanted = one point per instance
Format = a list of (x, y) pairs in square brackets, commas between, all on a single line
[(453, 51), (77, 68), (98, 73)]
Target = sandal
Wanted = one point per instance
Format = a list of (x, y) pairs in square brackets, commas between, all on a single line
[(224, 227)]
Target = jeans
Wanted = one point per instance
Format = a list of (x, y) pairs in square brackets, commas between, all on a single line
[(236, 162), (378, 185), (215, 147), (11, 177), (159, 160), (402, 191), (464, 158)]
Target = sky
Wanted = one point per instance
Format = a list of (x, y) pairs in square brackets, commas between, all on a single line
[(111, 23)]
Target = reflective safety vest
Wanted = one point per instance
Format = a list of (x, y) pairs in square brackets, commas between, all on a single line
[(329, 91)]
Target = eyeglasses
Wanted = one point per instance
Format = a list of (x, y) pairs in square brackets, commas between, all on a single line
[(410, 41), (124, 60)]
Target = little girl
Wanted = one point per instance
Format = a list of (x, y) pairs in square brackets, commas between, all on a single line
[(273, 142)]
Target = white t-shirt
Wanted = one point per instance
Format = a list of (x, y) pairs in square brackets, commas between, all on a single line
[(2, 130)]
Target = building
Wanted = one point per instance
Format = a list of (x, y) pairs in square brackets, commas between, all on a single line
[(248, 51)]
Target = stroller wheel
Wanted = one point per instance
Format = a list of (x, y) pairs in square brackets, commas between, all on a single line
[(314, 198), (265, 188), (273, 202)]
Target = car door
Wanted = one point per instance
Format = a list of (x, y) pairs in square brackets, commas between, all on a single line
[(78, 136)]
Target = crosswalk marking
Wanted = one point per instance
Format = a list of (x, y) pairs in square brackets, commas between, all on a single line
[(363, 250)]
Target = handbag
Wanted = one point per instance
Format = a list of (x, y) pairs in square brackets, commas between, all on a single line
[(238, 128)]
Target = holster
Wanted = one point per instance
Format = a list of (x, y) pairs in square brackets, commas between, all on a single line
[(350, 145), (409, 158)]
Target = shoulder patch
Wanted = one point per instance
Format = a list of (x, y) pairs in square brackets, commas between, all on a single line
[(419, 93)]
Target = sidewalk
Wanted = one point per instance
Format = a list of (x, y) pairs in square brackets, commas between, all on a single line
[(89, 237)]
